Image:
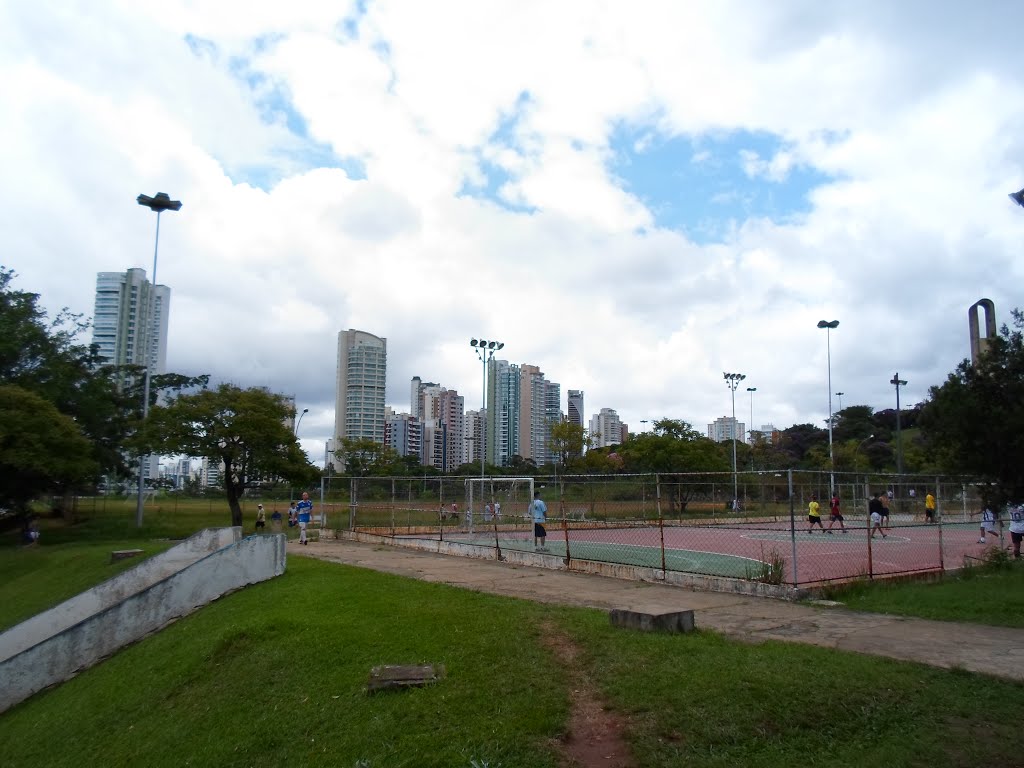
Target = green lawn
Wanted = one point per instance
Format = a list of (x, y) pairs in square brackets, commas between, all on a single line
[(275, 674), (983, 595)]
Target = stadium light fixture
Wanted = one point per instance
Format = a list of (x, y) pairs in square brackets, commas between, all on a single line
[(829, 326), (158, 204), (732, 380), (1018, 197), (485, 352)]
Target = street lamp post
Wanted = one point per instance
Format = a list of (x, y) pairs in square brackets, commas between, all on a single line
[(732, 380), (485, 352), (840, 396), (897, 382), (324, 477), (829, 325), (299, 421), (158, 204), (751, 390)]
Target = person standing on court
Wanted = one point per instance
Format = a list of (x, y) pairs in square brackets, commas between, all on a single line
[(834, 515), (305, 512), (875, 513), (929, 508), (261, 518), (814, 514), (540, 516), (1016, 512), (883, 499)]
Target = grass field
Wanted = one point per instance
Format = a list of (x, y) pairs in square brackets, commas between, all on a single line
[(275, 674)]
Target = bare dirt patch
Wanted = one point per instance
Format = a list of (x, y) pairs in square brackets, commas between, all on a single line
[(596, 735)]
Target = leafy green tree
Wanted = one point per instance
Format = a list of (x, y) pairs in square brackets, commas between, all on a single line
[(41, 449), (569, 442), (365, 457), (974, 422), (674, 446), (246, 430), (797, 441)]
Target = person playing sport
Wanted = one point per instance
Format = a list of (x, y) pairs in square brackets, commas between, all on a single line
[(1016, 527), (883, 500), (814, 515), (540, 516), (875, 510), (988, 524), (834, 515), (305, 512), (929, 508)]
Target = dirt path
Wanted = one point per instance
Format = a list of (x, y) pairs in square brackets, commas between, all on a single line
[(995, 651)]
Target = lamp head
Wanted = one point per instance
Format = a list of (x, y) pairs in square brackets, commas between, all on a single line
[(159, 202), (1018, 197), (828, 323), (473, 342)]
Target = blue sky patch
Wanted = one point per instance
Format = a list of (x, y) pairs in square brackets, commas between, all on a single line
[(504, 136), (702, 185)]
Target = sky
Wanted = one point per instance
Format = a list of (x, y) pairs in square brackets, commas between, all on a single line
[(634, 196)]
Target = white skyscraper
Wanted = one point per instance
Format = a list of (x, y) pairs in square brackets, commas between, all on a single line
[(605, 428), (130, 327), (359, 396), (130, 319)]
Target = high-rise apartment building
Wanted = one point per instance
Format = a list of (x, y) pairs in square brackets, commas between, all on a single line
[(503, 436), (574, 411), (130, 328), (359, 395), (726, 428), (403, 432), (130, 319), (605, 428)]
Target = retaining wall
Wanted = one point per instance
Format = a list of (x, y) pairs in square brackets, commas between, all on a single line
[(84, 630)]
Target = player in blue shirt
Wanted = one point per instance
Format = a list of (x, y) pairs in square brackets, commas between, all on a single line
[(540, 516), (305, 510)]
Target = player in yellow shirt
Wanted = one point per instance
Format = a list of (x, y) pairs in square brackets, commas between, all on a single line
[(929, 508), (814, 515)]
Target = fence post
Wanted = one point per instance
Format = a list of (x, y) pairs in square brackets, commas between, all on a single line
[(792, 528), (565, 526), (661, 531), (938, 517)]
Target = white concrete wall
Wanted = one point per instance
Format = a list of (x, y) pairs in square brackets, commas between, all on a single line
[(77, 647), (102, 596)]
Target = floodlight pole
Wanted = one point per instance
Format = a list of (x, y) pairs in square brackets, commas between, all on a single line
[(751, 390), (828, 325), (732, 380), (485, 352), (897, 382), (159, 203)]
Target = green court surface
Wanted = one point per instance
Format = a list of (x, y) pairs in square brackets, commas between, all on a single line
[(686, 560)]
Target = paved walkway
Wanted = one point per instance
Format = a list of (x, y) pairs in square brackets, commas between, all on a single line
[(991, 650)]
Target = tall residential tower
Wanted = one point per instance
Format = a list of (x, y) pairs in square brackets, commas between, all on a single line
[(359, 396)]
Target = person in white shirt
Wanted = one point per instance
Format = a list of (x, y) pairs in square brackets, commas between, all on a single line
[(540, 516)]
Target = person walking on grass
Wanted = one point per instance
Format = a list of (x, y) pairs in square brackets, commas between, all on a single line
[(988, 524), (834, 515), (814, 514), (1016, 512), (875, 513), (540, 516), (304, 509)]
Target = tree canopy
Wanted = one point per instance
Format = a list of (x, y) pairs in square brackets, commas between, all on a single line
[(41, 449), (974, 422), (246, 430)]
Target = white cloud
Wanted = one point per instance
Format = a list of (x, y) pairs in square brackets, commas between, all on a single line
[(913, 116)]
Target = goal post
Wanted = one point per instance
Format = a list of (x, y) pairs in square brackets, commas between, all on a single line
[(498, 500)]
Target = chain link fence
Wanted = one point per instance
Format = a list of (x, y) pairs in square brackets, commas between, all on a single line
[(751, 525)]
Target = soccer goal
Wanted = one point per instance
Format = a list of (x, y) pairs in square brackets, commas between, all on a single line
[(493, 501)]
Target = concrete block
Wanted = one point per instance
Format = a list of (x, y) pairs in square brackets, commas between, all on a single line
[(123, 554), (674, 621)]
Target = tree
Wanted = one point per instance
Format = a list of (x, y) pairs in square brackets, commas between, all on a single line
[(568, 442), (674, 446), (41, 449), (974, 422), (247, 430)]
